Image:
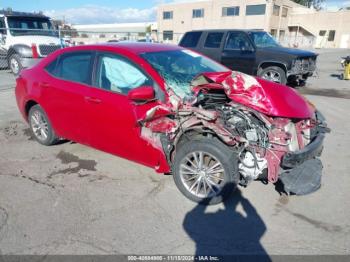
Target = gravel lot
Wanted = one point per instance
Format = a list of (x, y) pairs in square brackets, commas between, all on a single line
[(71, 199)]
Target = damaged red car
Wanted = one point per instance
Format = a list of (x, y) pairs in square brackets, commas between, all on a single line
[(178, 112)]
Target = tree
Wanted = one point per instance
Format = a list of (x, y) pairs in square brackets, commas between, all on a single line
[(317, 4), (149, 29)]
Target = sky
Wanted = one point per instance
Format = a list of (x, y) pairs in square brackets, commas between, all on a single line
[(107, 11)]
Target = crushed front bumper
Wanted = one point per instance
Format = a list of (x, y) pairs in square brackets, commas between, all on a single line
[(302, 170), (312, 150), (303, 179)]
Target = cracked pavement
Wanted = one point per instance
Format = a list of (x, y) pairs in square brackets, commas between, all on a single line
[(72, 199)]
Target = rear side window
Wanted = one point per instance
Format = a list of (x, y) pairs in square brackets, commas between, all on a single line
[(190, 39), (74, 67), (213, 40)]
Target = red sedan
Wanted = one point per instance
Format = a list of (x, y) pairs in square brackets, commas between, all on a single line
[(178, 112)]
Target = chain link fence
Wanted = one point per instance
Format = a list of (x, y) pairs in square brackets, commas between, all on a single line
[(20, 48)]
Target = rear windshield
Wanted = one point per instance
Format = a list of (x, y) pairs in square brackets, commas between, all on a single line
[(190, 39)]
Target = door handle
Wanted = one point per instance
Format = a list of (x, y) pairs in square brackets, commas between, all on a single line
[(44, 85), (92, 100)]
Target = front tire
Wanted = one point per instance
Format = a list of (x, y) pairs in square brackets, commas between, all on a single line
[(40, 126), (273, 74), (15, 64), (205, 170)]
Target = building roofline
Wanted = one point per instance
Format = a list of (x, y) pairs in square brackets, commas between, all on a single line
[(182, 3)]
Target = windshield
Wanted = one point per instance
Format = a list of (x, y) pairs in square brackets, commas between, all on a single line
[(179, 67), (30, 26), (263, 39)]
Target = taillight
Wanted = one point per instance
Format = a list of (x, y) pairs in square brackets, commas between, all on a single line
[(35, 51)]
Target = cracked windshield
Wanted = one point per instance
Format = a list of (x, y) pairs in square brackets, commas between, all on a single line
[(179, 67)]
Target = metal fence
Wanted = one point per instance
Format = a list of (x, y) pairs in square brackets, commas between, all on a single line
[(22, 47), (298, 41)]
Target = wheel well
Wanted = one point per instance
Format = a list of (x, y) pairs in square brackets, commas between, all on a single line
[(29, 105), (268, 64), (191, 135)]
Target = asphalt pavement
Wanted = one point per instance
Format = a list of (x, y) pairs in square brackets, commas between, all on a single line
[(72, 199)]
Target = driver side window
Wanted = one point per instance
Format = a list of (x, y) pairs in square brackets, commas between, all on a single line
[(238, 41), (117, 74)]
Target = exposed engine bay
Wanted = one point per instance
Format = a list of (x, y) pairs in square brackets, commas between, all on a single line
[(266, 129)]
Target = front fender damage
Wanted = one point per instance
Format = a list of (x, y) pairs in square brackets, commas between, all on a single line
[(242, 112), (163, 126)]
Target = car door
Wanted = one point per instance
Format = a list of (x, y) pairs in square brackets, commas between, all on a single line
[(64, 92), (213, 44), (239, 53), (115, 128)]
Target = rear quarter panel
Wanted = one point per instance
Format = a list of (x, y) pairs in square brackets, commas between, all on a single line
[(25, 90)]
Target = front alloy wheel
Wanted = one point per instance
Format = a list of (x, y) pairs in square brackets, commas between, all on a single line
[(202, 174), (205, 170)]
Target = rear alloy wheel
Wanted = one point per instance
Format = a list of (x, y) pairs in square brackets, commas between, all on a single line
[(205, 170), (15, 64), (273, 74), (40, 126)]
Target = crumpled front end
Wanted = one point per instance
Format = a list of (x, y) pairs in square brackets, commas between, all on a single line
[(276, 133), (278, 148), (301, 168)]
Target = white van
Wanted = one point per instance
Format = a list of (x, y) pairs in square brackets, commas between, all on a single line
[(25, 38)]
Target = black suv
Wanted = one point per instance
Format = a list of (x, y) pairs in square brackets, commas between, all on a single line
[(254, 52)]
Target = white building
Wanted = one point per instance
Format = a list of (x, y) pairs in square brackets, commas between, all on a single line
[(93, 33)]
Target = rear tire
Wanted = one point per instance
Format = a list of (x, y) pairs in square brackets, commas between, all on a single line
[(40, 126), (273, 73), (216, 174)]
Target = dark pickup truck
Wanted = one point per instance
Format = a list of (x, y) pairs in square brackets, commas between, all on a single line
[(254, 52)]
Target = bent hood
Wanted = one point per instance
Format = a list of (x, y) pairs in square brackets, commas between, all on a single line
[(264, 96)]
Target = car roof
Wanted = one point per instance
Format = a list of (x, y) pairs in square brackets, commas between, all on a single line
[(228, 30), (141, 47), (130, 47)]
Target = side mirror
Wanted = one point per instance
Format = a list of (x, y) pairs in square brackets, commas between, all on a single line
[(142, 94)]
